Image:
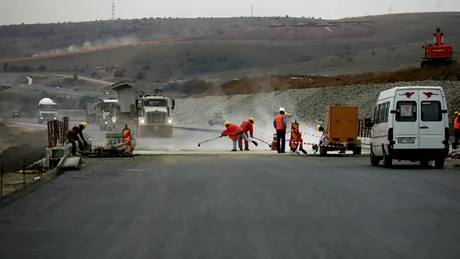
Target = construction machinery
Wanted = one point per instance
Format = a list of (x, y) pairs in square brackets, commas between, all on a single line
[(104, 111), (47, 110), (217, 117), (146, 115), (154, 115), (437, 54), (91, 112), (340, 131)]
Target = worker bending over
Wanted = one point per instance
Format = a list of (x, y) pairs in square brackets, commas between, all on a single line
[(234, 132), (456, 129), (280, 124), (247, 127), (73, 135)]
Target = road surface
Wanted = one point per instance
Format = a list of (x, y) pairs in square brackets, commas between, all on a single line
[(237, 207)]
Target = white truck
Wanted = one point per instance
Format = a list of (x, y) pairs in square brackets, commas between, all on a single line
[(104, 110), (154, 115), (91, 112), (47, 110), (217, 118)]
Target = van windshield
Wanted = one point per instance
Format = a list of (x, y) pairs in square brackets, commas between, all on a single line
[(431, 111), (406, 111)]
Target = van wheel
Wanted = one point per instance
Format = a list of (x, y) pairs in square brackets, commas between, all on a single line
[(375, 161), (387, 160), (439, 163)]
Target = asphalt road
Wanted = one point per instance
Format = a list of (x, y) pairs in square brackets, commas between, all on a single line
[(237, 207)]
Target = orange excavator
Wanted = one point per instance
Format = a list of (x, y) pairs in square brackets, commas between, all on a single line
[(437, 54)]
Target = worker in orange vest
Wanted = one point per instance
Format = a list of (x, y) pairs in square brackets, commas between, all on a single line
[(280, 124), (456, 129), (247, 126), (234, 132)]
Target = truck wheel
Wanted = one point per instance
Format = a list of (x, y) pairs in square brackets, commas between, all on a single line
[(210, 123), (357, 151), (439, 163)]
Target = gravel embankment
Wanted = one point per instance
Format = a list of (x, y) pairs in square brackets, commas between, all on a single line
[(307, 104)]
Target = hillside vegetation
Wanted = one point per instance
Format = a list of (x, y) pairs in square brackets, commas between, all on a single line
[(228, 47)]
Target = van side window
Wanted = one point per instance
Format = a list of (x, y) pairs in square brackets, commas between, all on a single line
[(406, 111), (385, 111), (431, 111)]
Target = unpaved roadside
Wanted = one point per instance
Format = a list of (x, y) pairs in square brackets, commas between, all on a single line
[(19, 143)]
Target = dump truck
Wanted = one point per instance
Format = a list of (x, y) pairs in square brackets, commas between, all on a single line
[(217, 118), (47, 110), (154, 115), (340, 130), (91, 112), (144, 114), (104, 110)]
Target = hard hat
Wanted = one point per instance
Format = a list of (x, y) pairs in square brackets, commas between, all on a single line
[(281, 109), (252, 119), (285, 113), (84, 124), (318, 127), (455, 113), (226, 123)]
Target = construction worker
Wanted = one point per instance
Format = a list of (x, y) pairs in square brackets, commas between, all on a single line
[(280, 124), (73, 135), (234, 132), (456, 129), (247, 127)]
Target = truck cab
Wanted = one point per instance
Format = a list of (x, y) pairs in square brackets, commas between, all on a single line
[(104, 110), (47, 110), (217, 117), (155, 116)]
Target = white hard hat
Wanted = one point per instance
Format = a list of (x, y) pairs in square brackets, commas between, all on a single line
[(281, 109)]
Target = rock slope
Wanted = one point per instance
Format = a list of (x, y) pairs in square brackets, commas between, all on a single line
[(307, 105)]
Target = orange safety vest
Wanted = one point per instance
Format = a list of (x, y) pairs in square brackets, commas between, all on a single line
[(279, 122), (456, 123), (233, 131), (247, 126)]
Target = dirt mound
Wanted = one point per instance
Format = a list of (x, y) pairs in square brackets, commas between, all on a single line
[(14, 157), (278, 83)]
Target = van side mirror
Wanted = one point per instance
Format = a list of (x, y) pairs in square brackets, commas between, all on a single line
[(393, 111), (443, 111), (368, 122)]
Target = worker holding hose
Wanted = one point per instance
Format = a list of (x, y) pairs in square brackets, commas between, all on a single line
[(235, 132), (247, 127), (73, 135)]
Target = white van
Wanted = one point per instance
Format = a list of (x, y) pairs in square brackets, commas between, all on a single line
[(410, 123)]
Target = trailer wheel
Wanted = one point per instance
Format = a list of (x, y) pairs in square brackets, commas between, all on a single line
[(322, 151)]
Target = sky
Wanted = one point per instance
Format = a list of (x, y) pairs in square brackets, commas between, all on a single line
[(45, 11)]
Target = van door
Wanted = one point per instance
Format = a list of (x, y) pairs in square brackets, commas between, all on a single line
[(431, 122), (405, 122)]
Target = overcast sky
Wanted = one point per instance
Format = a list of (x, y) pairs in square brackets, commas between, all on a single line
[(34, 11)]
